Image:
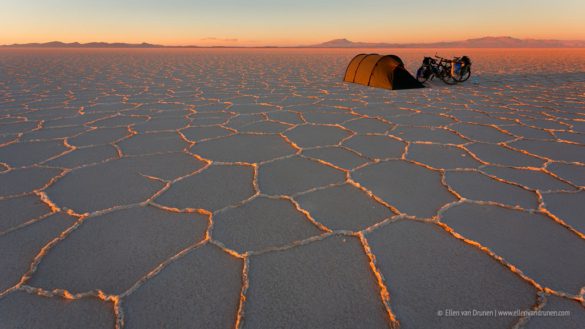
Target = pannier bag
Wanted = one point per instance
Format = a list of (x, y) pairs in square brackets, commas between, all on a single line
[(459, 64)]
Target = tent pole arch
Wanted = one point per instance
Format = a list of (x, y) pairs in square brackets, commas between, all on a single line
[(393, 57), (373, 70), (356, 56), (360, 64), (355, 65)]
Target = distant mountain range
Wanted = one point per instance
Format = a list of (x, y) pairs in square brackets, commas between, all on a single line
[(59, 44), (486, 42)]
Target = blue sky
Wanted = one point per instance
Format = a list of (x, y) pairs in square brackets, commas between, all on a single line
[(284, 22)]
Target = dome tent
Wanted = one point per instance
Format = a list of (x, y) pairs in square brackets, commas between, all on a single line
[(380, 71)]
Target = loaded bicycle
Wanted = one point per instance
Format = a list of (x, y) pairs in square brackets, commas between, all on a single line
[(450, 71)]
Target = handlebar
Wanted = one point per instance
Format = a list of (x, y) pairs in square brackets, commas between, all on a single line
[(442, 58)]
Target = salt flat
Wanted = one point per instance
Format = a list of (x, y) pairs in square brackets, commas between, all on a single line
[(218, 188)]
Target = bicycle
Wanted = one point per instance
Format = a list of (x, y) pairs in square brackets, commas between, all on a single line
[(431, 68)]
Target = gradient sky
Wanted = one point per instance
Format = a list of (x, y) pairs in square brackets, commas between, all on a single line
[(285, 22)]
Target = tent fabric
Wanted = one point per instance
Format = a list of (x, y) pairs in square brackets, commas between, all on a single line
[(380, 71)]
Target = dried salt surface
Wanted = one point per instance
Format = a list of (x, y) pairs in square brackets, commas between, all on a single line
[(84, 156), (578, 126), (19, 127), (294, 175), (162, 124), (113, 251), (19, 248), (476, 186), (367, 126), (199, 290), (252, 108), (521, 239), (195, 134), (428, 271), (556, 316), (474, 116), (76, 120), (423, 120), (328, 117), (570, 207), (502, 156), (152, 143), (18, 211), (337, 156), (264, 127), (169, 166), (243, 120), (571, 137), (23, 310), (553, 150), (543, 123), (286, 116), (403, 184), (99, 136), (24, 154), (214, 188), (429, 135), (204, 121), (118, 121), (261, 224), (249, 161), (481, 133), (244, 148), (441, 156), (375, 146), (319, 285), (102, 186), (343, 208), (8, 138), (532, 179), (53, 133), (528, 132), (311, 135), (19, 181), (115, 107)]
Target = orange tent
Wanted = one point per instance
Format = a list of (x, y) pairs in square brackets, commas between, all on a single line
[(380, 71)]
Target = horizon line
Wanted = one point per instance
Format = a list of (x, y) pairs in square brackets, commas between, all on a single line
[(345, 43)]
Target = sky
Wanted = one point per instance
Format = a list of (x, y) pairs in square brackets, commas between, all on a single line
[(286, 22)]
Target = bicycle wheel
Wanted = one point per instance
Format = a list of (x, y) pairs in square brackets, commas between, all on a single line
[(423, 74), (465, 74), (448, 79), (446, 76)]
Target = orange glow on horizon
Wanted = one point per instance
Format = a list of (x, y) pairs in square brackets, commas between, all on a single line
[(284, 23)]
